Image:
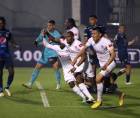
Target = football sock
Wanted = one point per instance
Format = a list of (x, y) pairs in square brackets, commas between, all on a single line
[(57, 76), (77, 90), (10, 80), (10, 77), (34, 75), (1, 84), (128, 78), (84, 89), (99, 91)]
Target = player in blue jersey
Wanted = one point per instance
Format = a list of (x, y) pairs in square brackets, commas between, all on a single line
[(122, 44), (48, 55), (5, 57)]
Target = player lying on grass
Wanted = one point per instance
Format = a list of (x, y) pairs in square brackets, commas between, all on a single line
[(106, 56), (65, 58)]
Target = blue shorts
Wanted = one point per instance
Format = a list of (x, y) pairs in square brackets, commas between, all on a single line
[(6, 62), (93, 59), (47, 60), (124, 59)]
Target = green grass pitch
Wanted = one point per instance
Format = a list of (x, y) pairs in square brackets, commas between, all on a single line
[(64, 103)]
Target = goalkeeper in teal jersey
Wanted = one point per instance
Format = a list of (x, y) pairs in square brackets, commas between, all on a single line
[(48, 55)]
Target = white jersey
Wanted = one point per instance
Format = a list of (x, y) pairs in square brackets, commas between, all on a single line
[(74, 49), (75, 32), (102, 49), (65, 59)]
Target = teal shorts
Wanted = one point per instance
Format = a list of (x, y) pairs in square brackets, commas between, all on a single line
[(47, 60)]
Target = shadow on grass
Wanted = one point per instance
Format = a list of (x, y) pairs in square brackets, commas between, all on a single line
[(23, 100), (128, 110), (18, 97), (25, 91)]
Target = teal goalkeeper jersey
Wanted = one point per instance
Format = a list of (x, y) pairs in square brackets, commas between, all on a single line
[(49, 52)]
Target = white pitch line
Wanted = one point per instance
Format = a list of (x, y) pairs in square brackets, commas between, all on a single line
[(43, 95)]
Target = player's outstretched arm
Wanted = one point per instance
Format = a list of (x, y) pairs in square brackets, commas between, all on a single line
[(53, 47)]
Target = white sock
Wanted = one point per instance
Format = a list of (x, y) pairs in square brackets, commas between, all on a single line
[(77, 90), (84, 89), (99, 91)]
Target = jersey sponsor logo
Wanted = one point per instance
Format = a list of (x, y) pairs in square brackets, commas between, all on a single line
[(2, 40)]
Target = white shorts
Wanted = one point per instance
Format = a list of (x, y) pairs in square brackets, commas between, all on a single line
[(89, 71), (108, 69), (80, 68), (68, 76)]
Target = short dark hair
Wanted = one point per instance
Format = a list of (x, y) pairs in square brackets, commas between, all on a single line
[(72, 22), (52, 22), (71, 33), (93, 16), (98, 29), (3, 19)]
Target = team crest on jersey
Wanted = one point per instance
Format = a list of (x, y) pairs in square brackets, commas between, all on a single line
[(80, 45), (110, 45)]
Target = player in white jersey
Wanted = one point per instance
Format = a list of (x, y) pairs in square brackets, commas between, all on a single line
[(74, 47), (65, 60), (66, 55), (106, 55), (71, 26)]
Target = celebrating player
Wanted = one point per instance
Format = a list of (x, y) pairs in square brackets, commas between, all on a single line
[(48, 55)]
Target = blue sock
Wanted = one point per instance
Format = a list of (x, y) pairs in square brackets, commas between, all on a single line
[(57, 76), (10, 80), (1, 85), (34, 75), (128, 78)]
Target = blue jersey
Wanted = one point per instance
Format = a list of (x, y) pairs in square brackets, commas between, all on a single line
[(122, 44), (88, 31), (49, 52), (5, 37)]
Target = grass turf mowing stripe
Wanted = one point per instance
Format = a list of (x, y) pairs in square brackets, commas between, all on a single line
[(43, 95)]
